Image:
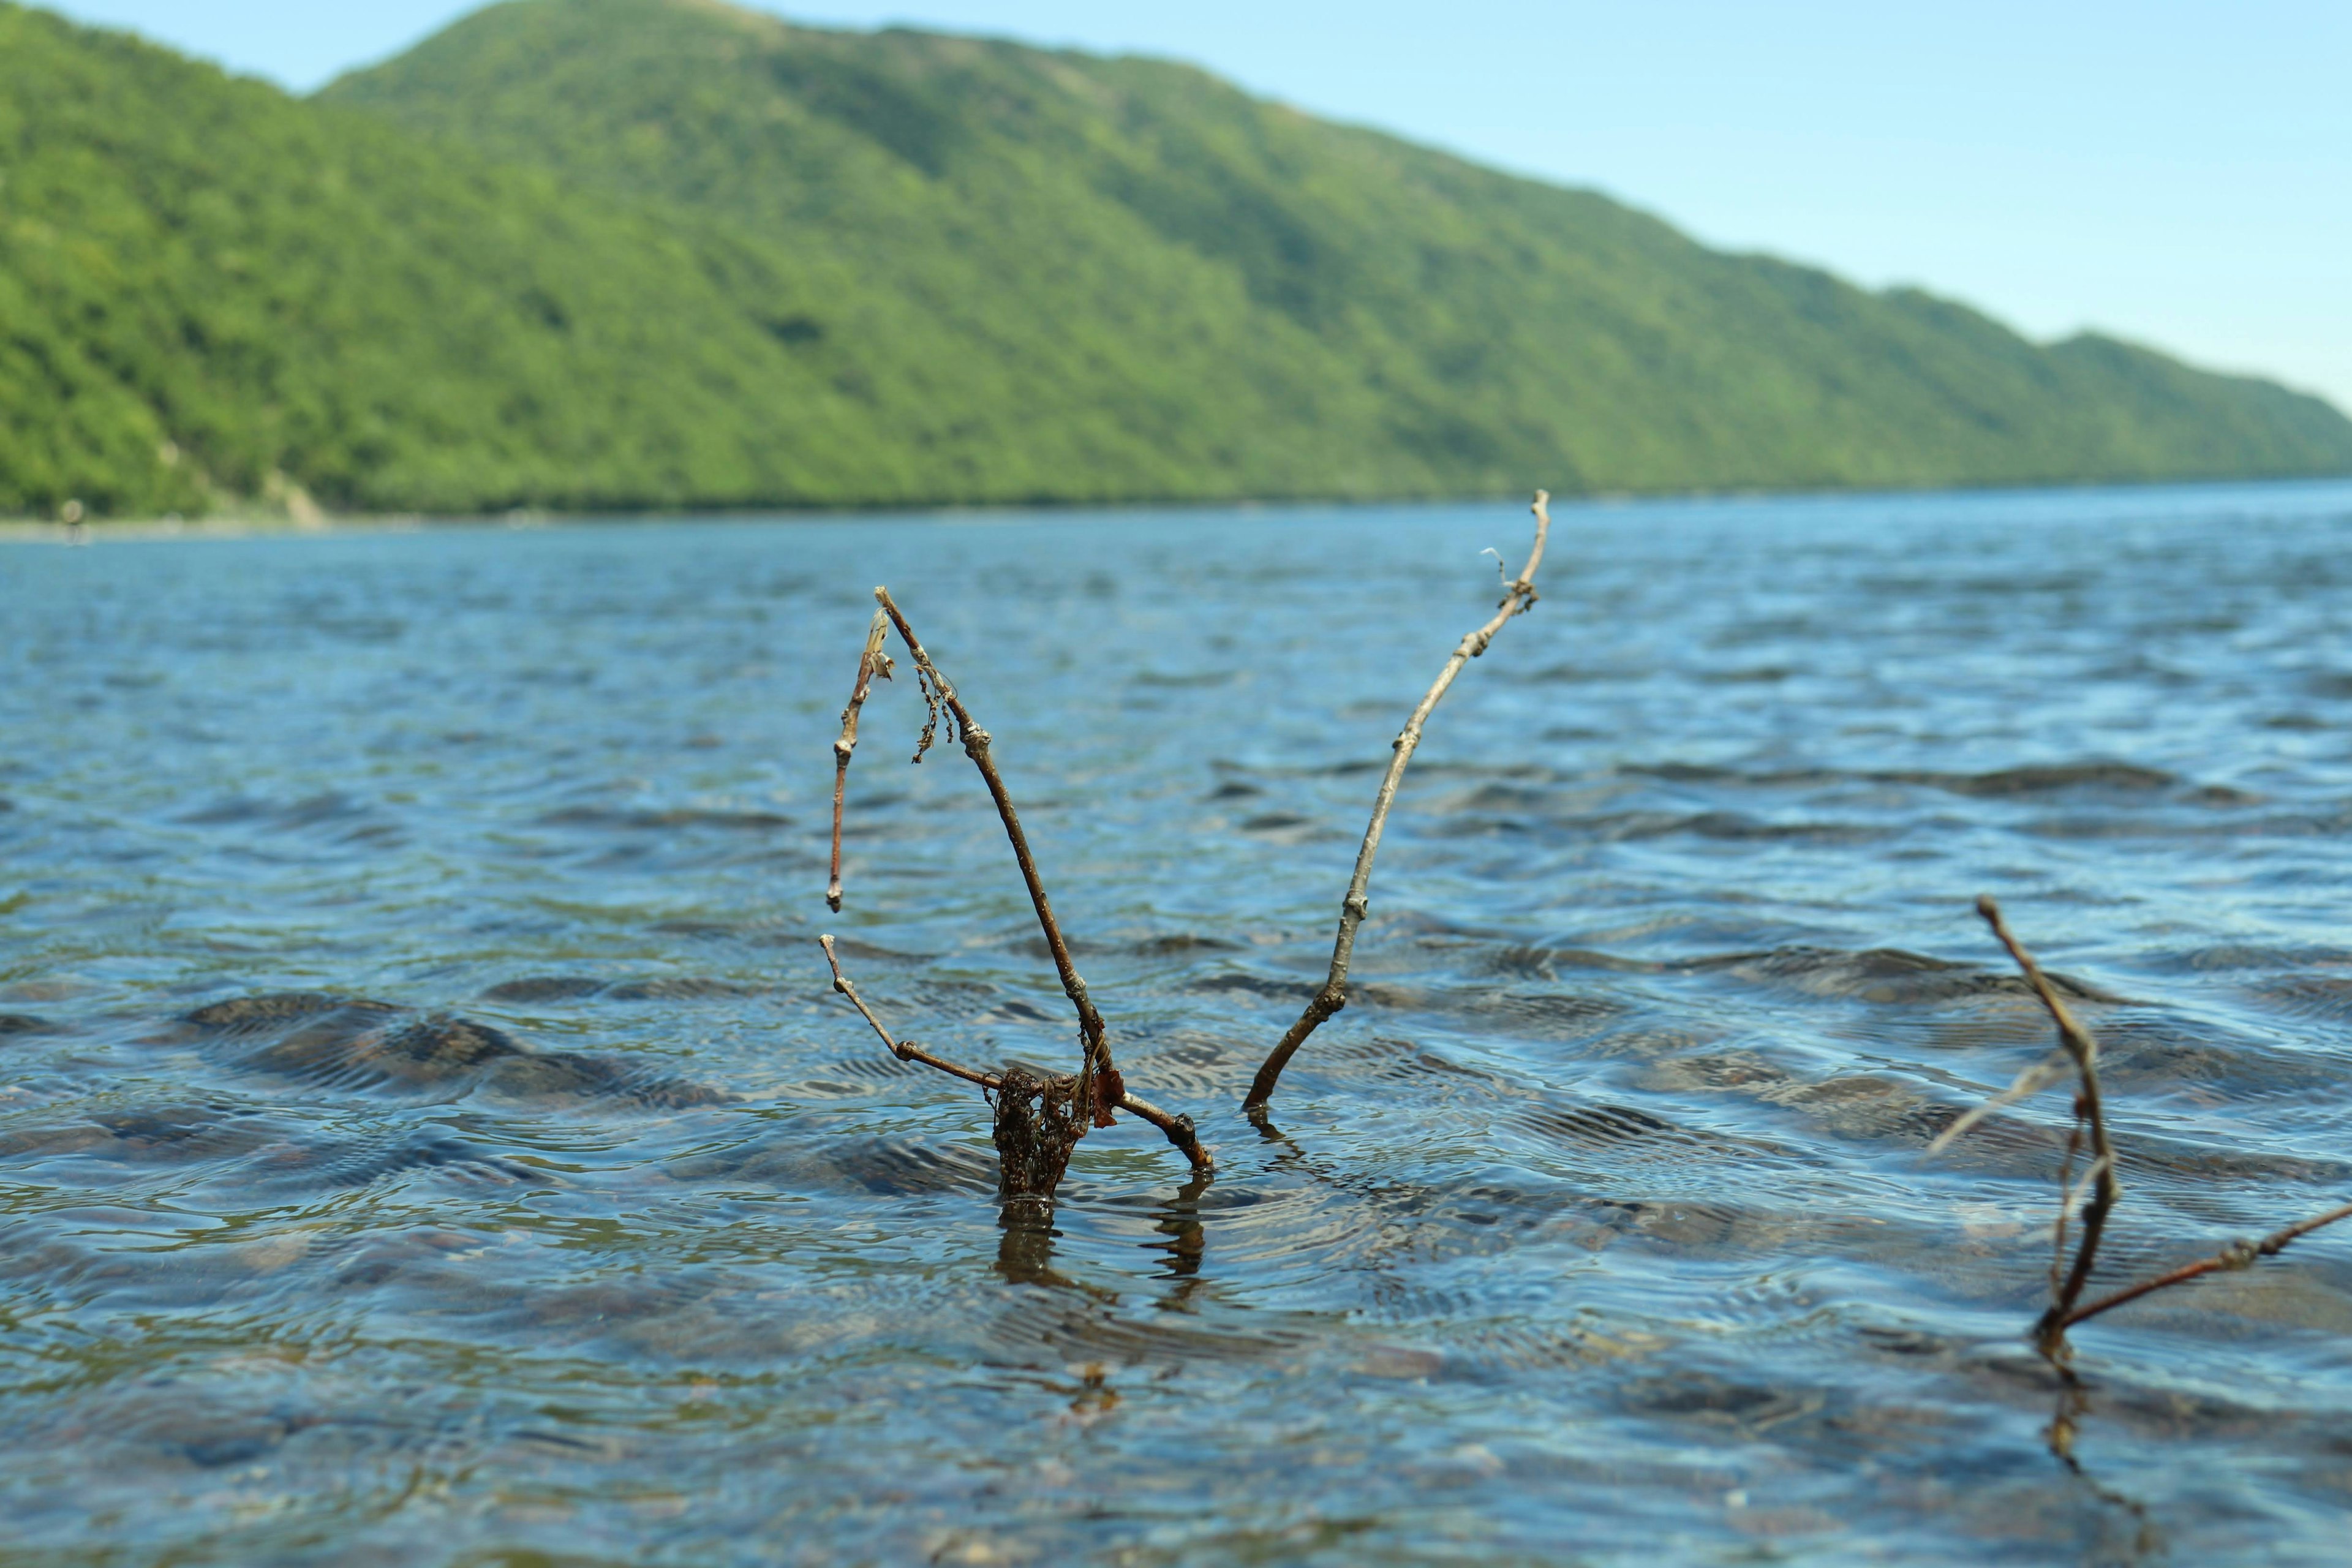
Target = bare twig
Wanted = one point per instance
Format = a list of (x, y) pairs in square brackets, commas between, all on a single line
[(905, 1050), (1518, 596), (2029, 1082), (2239, 1255), (1179, 1129), (2089, 1116), (872, 663), (2068, 1280), (1106, 1089)]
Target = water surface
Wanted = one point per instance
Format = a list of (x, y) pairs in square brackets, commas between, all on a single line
[(568, 1217)]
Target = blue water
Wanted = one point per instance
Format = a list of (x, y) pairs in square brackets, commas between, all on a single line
[(1599, 1229)]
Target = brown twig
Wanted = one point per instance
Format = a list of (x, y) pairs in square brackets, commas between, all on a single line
[(1518, 596), (2238, 1255), (1106, 1086), (2090, 1115), (1178, 1130), (872, 663), (2082, 1049), (905, 1050)]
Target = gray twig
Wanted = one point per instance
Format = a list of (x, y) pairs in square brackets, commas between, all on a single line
[(1518, 596)]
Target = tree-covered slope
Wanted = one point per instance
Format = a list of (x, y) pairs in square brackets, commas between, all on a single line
[(1095, 225), (663, 253), (209, 290)]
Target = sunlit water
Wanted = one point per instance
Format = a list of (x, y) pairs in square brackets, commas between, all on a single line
[(1601, 1227)]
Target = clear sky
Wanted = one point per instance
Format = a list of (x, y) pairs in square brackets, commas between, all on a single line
[(2178, 173)]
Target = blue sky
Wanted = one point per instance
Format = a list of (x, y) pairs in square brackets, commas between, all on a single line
[(2177, 173)]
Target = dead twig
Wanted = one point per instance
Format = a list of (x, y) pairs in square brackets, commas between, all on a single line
[(2090, 1120), (871, 664), (2067, 1280), (1178, 1130), (905, 1050), (1035, 1112), (1518, 596), (1100, 1076), (2236, 1255)]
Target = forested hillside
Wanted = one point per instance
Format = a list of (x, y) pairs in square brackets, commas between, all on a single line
[(601, 254), (209, 290)]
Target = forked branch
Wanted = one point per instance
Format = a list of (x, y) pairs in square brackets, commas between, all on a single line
[(1518, 596), (1179, 1129), (2090, 1117), (2078, 1047), (2238, 1255), (1099, 1089), (905, 1050)]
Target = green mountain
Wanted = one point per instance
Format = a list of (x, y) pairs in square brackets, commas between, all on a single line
[(663, 253), (211, 291)]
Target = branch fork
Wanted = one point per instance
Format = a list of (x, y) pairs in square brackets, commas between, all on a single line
[(2079, 1049), (1097, 1090)]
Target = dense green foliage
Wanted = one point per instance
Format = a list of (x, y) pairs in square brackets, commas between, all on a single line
[(209, 290), (616, 253)]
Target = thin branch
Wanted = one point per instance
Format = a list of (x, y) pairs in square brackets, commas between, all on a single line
[(2089, 1116), (1179, 1129), (905, 1050), (2029, 1082), (2090, 1113), (2238, 1255), (872, 663), (1105, 1084), (1518, 596)]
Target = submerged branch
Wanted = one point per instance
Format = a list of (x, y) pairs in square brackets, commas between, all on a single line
[(1518, 596), (871, 664), (1100, 1077)]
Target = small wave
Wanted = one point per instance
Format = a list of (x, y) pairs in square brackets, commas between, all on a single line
[(1627, 825), (1879, 974), (1179, 945), (2096, 776), (886, 1166), (358, 1045), (641, 819), (364, 1162), (2114, 777), (1257, 984), (147, 1135), (679, 989), (544, 988)]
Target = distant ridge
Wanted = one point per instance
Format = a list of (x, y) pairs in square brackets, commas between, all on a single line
[(621, 253)]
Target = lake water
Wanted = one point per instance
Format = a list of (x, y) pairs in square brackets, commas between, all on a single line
[(1601, 1227)]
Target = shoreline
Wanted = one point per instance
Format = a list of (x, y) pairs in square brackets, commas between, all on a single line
[(24, 531)]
